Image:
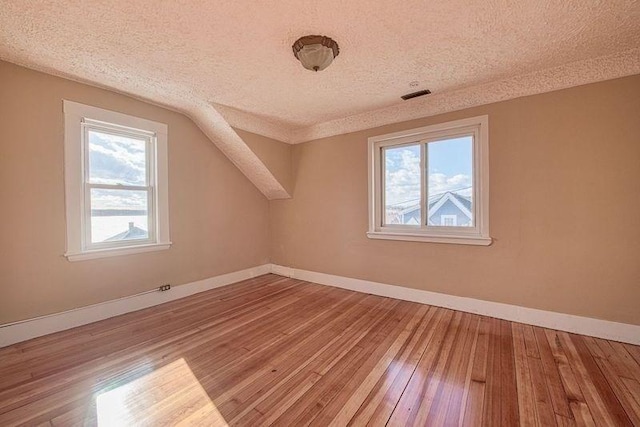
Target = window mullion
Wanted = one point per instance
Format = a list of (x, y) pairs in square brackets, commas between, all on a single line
[(86, 205), (424, 184), (382, 178), (87, 215), (151, 216), (475, 180), (151, 192)]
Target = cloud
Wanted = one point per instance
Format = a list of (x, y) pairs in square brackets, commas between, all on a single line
[(402, 174), (115, 160), (402, 177), (440, 183)]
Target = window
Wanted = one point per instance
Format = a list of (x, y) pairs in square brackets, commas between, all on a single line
[(431, 184), (116, 183), (448, 220)]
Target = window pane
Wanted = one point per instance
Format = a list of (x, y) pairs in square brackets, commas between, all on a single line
[(116, 159), (450, 172), (402, 185), (118, 215)]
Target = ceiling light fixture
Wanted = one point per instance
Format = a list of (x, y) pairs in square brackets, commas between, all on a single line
[(315, 52)]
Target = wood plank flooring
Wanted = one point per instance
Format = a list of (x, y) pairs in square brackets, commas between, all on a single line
[(277, 351)]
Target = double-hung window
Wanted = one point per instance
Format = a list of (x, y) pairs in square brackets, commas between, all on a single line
[(116, 183), (431, 184)]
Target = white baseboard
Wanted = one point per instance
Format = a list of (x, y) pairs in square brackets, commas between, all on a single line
[(32, 328), (549, 319)]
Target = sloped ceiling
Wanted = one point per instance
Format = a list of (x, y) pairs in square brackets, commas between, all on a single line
[(230, 63)]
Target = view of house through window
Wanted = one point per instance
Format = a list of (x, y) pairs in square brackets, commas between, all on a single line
[(449, 183), (431, 184), (118, 187), (116, 183)]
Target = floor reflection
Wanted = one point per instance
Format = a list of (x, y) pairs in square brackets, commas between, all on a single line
[(170, 395)]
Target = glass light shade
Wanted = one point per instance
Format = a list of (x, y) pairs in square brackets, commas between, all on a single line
[(315, 57)]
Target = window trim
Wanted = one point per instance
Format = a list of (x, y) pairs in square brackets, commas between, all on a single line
[(477, 235), (79, 117)]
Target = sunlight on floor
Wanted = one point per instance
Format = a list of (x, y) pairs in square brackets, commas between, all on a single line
[(168, 396)]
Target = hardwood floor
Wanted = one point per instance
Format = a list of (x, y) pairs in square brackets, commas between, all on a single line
[(273, 350)]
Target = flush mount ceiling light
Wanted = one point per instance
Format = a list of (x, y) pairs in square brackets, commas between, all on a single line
[(315, 52)]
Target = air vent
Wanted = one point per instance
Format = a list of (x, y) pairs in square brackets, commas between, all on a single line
[(416, 94)]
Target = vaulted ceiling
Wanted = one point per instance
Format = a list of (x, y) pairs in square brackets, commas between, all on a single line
[(230, 63)]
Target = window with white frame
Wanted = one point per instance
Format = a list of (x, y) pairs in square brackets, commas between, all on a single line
[(431, 184), (116, 183)]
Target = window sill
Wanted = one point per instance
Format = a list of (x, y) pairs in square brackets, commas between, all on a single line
[(414, 237), (126, 250)]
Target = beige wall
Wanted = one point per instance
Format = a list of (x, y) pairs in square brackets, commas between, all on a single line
[(276, 156), (565, 168), (219, 220), (564, 201)]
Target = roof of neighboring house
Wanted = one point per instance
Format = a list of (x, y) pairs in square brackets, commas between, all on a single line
[(411, 205), (131, 234), (466, 201)]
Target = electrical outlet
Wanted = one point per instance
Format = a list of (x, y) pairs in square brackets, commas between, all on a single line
[(164, 287)]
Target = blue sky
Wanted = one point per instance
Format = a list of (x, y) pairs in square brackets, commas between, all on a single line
[(450, 157), (449, 169)]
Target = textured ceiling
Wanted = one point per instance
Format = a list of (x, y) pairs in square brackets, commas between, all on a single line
[(231, 62)]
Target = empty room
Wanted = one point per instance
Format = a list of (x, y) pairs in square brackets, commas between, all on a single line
[(336, 213)]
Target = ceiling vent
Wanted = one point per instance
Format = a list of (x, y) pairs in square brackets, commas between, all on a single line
[(416, 94)]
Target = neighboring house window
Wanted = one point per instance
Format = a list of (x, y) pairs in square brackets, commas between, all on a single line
[(448, 220), (116, 183), (431, 184)]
